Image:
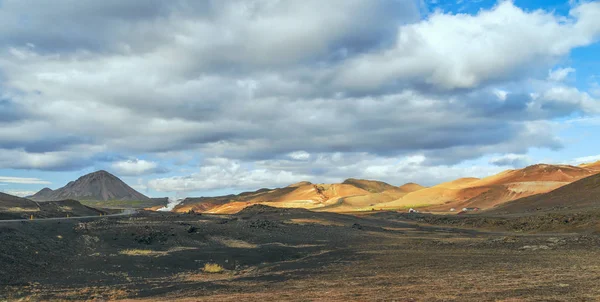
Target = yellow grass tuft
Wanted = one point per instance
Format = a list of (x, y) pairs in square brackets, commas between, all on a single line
[(213, 268), (234, 243), (136, 252), (19, 209)]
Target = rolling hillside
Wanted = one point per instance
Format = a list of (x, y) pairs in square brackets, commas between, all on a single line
[(593, 166), (582, 194), (12, 207), (350, 195), (366, 195), (493, 190)]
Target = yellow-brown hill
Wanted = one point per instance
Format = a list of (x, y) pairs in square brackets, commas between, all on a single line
[(364, 195), (582, 194), (593, 166), (491, 191), (410, 187), (351, 195)]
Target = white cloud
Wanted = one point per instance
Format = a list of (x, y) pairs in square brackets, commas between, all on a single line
[(333, 167), (299, 155), (562, 97), (134, 167), (23, 180), (586, 159), (20, 193), (501, 94), (76, 157), (560, 74), (224, 173), (464, 51)]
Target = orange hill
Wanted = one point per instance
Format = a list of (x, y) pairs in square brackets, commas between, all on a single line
[(491, 191), (351, 195), (410, 187), (581, 194), (593, 166), (365, 195)]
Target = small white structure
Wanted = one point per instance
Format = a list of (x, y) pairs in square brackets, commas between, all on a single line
[(411, 210), (452, 209)]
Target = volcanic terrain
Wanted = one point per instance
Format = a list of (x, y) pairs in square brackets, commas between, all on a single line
[(542, 247), (264, 253), (13, 207)]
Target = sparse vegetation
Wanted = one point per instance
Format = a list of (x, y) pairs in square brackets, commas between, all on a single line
[(311, 256), (213, 268), (19, 209), (138, 252)]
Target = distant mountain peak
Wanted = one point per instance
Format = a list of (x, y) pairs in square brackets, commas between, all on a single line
[(96, 186), (99, 173)]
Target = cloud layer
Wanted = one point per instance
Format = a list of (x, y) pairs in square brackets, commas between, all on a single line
[(272, 92), (22, 180)]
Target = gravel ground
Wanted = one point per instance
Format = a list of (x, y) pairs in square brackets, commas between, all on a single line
[(289, 254)]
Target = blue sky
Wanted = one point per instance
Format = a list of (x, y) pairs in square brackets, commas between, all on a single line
[(190, 98)]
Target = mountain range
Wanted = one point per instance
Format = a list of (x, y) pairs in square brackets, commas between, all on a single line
[(526, 189), (363, 195)]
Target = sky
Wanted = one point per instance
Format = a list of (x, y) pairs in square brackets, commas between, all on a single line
[(198, 98)]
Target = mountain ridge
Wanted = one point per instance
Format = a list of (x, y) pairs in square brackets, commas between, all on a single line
[(365, 195)]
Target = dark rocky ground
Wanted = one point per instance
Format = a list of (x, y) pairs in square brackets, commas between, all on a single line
[(50, 209), (288, 254), (579, 221)]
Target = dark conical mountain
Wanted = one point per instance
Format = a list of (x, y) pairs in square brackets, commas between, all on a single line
[(97, 186), (43, 193)]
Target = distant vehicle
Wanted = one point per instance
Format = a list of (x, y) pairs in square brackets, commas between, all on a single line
[(470, 209), (411, 210), (452, 209)]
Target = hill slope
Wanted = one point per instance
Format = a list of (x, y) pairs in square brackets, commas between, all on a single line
[(593, 166), (372, 186), (491, 191), (410, 187), (97, 186), (351, 195), (9, 203), (13, 207), (365, 195), (582, 194)]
